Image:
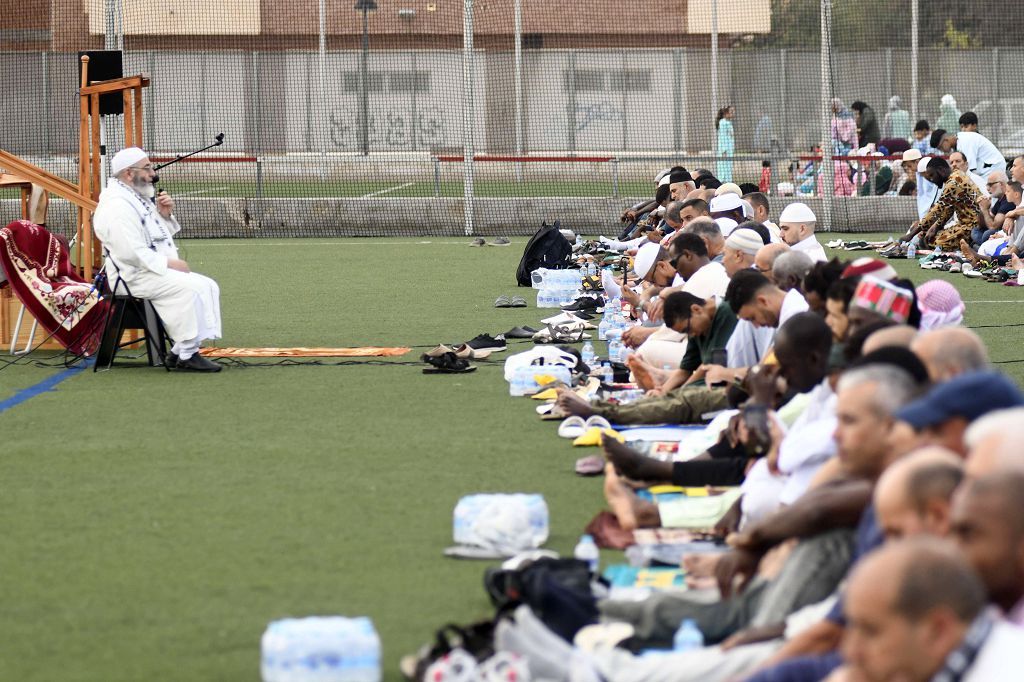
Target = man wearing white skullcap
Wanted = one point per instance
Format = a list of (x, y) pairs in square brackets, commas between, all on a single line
[(727, 205), (137, 228), (796, 224)]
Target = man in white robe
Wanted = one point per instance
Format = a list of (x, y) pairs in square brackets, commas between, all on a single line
[(137, 228)]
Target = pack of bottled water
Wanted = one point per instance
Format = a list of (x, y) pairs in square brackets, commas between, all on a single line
[(320, 649), (556, 288), (524, 379)]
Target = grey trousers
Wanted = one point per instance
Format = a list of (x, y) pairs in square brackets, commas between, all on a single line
[(811, 573)]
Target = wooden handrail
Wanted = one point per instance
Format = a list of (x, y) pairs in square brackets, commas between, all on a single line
[(48, 181), (114, 85)]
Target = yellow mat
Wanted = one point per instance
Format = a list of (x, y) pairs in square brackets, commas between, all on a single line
[(367, 352)]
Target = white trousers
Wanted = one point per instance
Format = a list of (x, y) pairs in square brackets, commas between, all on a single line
[(188, 304)]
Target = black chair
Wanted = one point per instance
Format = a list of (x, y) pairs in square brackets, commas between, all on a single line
[(128, 312)]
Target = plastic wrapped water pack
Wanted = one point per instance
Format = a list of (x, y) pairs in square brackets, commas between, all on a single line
[(320, 649), (506, 523)]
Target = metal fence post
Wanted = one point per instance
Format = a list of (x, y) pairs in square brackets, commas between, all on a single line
[(518, 77), (468, 118), (714, 68), (827, 171), (914, 31), (571, 106)]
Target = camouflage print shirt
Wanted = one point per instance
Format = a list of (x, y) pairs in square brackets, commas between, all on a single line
[(959, 195)]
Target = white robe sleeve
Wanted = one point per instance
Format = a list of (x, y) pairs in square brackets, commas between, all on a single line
[(122, 233)]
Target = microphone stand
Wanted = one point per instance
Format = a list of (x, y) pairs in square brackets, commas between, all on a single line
[(219, 141)]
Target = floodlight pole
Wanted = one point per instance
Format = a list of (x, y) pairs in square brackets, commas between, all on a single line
[(365, 6), (468, 115), (827, 172)]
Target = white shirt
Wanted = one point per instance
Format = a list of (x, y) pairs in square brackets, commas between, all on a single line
[(710, 281), (774, 231), (793, 304), (812, 248), (1001, 656), (980, 182), (748, 344), (809, 443), (982, 156)]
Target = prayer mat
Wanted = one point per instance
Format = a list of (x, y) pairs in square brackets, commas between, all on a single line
[(367, 352), (40, 274)]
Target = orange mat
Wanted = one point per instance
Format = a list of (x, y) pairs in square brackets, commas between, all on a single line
[(367, 352)]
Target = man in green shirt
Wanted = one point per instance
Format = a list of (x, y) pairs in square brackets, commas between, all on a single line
[(684, 398)]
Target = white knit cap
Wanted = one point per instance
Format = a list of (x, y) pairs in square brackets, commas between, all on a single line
[(726, 202), (797, 213), (729, 188), (646, 257), (746, 240), (662, 173), (125, 159)]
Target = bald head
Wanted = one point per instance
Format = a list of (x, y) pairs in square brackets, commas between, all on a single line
[(950, 352), (765, 259), (914, 495), (901, 335), (993, 443)]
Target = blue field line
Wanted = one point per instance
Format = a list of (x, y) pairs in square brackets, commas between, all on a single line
[(47, 384)]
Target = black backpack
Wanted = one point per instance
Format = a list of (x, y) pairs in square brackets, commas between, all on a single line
[(548, 248)]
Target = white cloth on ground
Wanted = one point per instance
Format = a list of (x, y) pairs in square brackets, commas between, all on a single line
[(139, 242)]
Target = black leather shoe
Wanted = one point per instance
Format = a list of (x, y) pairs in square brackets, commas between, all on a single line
[(197, 363), (170, 360)]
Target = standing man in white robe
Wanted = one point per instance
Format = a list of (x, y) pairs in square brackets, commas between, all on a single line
[(137, 227)]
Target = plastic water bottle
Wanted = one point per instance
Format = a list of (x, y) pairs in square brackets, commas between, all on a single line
[(603, 326), (606, 372), (688, 636), (579, 240), (587, 354), (615, 350), (592, 269), (587, 551), (912, 249)]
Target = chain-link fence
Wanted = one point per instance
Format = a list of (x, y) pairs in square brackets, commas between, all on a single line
[(387, 117)]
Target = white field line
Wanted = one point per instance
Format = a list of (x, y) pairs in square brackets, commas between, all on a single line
[(201, 191), (388, 189), (298, 241)]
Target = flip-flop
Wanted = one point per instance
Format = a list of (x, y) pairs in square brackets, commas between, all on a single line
[(598, 422), (545, 408), (572, 427), (520, 333), (479, 241), (469, 353), (591, 465), (503, 302), (439, 351), (446, 364), (518, 302)]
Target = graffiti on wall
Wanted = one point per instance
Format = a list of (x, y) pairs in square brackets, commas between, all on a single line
[(599, 112), (389, 129)]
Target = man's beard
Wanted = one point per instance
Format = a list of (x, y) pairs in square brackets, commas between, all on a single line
[(144, 188)]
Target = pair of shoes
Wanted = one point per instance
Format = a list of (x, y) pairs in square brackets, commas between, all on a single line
[(446, 364), (587, 304), (486, 342), (498, 241), (467, 352), (576, 426), (520, 333), (894, 251), (858, 245), (569, 333), (197, 363), (836, 244), (969, 270), (507, 302)]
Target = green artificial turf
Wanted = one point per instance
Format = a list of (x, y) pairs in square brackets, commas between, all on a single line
[(153, 523)]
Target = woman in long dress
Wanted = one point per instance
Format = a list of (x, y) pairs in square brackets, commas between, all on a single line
[(726, 142)]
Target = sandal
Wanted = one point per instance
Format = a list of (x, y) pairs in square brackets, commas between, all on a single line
[(518, 302), (503, 302), (573, 427), (446, 364)]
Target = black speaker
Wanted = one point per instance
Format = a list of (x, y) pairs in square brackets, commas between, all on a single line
[(104, 65)]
